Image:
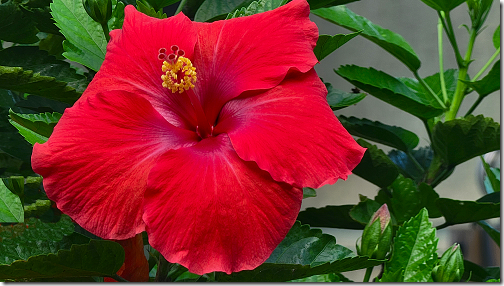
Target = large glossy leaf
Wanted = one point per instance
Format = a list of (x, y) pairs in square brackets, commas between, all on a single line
[(315, 4), (329, 216), (35, 128), (327, 44), (388, 40), (15, 25), (339, 99), (98, 258), (30, 70), (376, 131), (456, 212), (459, 140), (34, 237), (390, 90), (488, 84), (414, 163), (414, 251), (443, 5), (11, 209), (303, 253), (85, 41), (375, 166)]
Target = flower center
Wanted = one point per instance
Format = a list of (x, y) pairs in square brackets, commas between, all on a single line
[(180, 74)]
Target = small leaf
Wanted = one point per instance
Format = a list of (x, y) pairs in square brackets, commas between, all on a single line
[(339, 99), (443, 5), (491, 177), (35, 128), (390, 90), (496, 38), (414, 164), (364, 210), (329, 216), (150, 11), (303, 253), (315, 4), (255, 7), (212, 10), (388, 40), (414, 251), (376, 131), (488, 84), (117, 19), (85, 42), (375, 166), (492, 232), (456, 212), (309, 193), (459, 140), (98, 258), (16, 27), (11, 209), (158, 5), (327, 44)]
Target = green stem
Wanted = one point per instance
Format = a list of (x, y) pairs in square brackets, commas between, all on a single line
[(441, 69), (368, 274), (451, 36), (118, 278), (461, 86), (415, 162), (180, 6), (488, 63), (106, 31), (428, 89), (475, 104)]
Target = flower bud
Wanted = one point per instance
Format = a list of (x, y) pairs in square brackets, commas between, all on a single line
[(98, 10), (377, 235), (450, 267)]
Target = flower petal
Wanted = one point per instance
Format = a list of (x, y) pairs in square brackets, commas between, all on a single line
[(208, 210), (131, 62), (250, 53), (135, 267), (96, 162), (291, 132)]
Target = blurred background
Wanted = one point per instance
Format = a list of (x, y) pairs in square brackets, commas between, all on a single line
[(417, 23)]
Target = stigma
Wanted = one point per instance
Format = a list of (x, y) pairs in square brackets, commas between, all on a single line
[(179, 72)]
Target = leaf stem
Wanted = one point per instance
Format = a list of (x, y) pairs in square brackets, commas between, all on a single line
[(415, 162), (180, 6), (461, 86), (485, 67), (428, 89), (441, 69), (368, 274), (451, 36), (475, 104), (106, 31)]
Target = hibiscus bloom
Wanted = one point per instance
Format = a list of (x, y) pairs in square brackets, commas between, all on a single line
[(202, 134)]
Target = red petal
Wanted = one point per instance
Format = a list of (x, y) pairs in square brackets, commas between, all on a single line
[(132, 64), (250, 53), (291, 132), (135, 267), (208, 210), (96, 162)]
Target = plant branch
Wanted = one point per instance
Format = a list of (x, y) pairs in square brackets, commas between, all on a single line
[(441, 69), (369, 270), (106, 31), (447, 25), (475, 104), (487, 64)]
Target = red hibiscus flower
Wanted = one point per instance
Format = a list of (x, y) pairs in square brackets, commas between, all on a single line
[(202, 134)]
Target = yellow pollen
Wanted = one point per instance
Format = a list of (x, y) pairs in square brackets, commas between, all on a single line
[(179, 75)]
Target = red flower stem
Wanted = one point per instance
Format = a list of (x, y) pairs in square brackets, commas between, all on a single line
[(204, 129)]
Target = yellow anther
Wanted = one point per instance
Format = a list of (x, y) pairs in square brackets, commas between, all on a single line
[(179, 75)]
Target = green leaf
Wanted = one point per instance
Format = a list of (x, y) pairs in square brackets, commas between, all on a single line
[(34, 237), (309, 193), (158, 5), (327, 44), (364, 210), (212, 10), (329, 216), (38, 208), (375, 166), (491, 177), (443, 5), (16, 26), (488, 84), (459, 140), (303, 253), (35, 128), (414, 163), (315, 4), (53, 45), (85, 42), (339, 99), (434, 82), (388, 40), (255, 7), (11, 209), (376, 131), (478, 273), (414, 251), (496, 38), (390, 90), (98, 258), (117, 19), (150, 11), (30, 70), (456, 212), (331, 277), (492, 232)]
